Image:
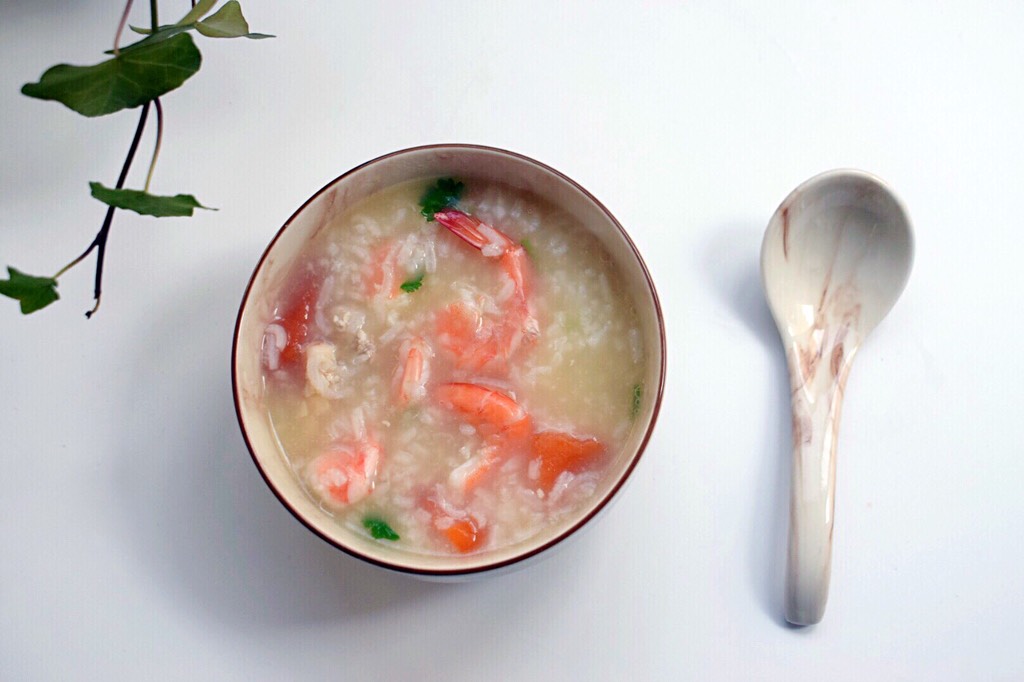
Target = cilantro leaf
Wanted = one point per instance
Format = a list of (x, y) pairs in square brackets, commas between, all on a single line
[(445, 193), (379, 528), (33, 292), (145, 203), (638, 394), (527, 247), (411, 285), (127, 80)]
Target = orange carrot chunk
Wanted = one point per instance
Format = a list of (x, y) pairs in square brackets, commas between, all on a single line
[(464, 535), (559, 452), (297, 318)]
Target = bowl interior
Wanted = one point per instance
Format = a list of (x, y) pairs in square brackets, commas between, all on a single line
[(467, 163)]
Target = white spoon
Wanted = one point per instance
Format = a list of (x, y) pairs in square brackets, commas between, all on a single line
[(835, 257)]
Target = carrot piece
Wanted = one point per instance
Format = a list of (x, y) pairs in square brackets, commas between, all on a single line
[(559, 452), (464, 535), (296, 318)]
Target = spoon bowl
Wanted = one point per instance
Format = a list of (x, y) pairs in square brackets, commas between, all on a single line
[(835, 258)]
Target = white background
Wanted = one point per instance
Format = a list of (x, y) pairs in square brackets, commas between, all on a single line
[(137, 540)]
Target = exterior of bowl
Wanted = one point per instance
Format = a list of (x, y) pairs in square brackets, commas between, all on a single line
[(468, 162)]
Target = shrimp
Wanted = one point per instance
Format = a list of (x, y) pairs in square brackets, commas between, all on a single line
[(470, 474), (412, 375), (490, 338), (463, 530), (344, 473), (491, 412)]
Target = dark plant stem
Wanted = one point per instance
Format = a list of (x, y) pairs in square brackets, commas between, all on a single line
[(100, 241)]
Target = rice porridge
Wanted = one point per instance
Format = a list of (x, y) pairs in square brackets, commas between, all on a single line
[(453, 366)]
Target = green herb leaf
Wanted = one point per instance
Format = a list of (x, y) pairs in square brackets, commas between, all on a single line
[(145, 203), (228, 22), (128, 80), (527, 247), (445, 193), (379, 528), (638, 394), (411, 285), (201, 9), (33, 292)]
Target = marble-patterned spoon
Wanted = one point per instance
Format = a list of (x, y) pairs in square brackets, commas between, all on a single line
[(835, 257)]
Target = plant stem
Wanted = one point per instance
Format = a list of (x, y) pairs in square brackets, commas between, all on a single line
[(153, 21), (159, 139), (100, 241), (120, 26)]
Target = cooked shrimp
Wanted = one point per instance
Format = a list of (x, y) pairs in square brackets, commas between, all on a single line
[(470, 474), (324, 373), (345, 473), (463, 530), (517, 321), (491, 412), (412, 374)]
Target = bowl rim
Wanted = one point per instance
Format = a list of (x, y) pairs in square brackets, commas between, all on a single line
[(484, 568)]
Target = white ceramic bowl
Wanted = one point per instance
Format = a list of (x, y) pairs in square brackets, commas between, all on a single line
[(466, 162)]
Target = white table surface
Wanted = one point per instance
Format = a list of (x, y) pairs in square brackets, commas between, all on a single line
[(137, 540)]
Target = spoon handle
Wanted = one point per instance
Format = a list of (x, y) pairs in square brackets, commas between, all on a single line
[(818, 370)]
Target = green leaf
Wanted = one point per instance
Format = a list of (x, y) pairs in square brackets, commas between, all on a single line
[(527, 247), (439, 197), (228, 22), (411, 285), (379, 528), (201, 9), (128, 80), (144, 203), (33, 292), (638, 395), (160, 34)]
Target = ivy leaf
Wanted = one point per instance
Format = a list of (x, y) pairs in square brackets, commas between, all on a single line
[(128, 80), (201, 9), (414, 284), (228, 22), (439, 197), (145, 203), (33, 292), (379, 528), (160, 34)]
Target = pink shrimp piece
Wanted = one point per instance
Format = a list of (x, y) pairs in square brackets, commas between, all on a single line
[(477, 340), (345, 473), (492, 243), (470, 474), (412, 375), (461, 530), (468, 335), (381, 278), (491, 411)]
